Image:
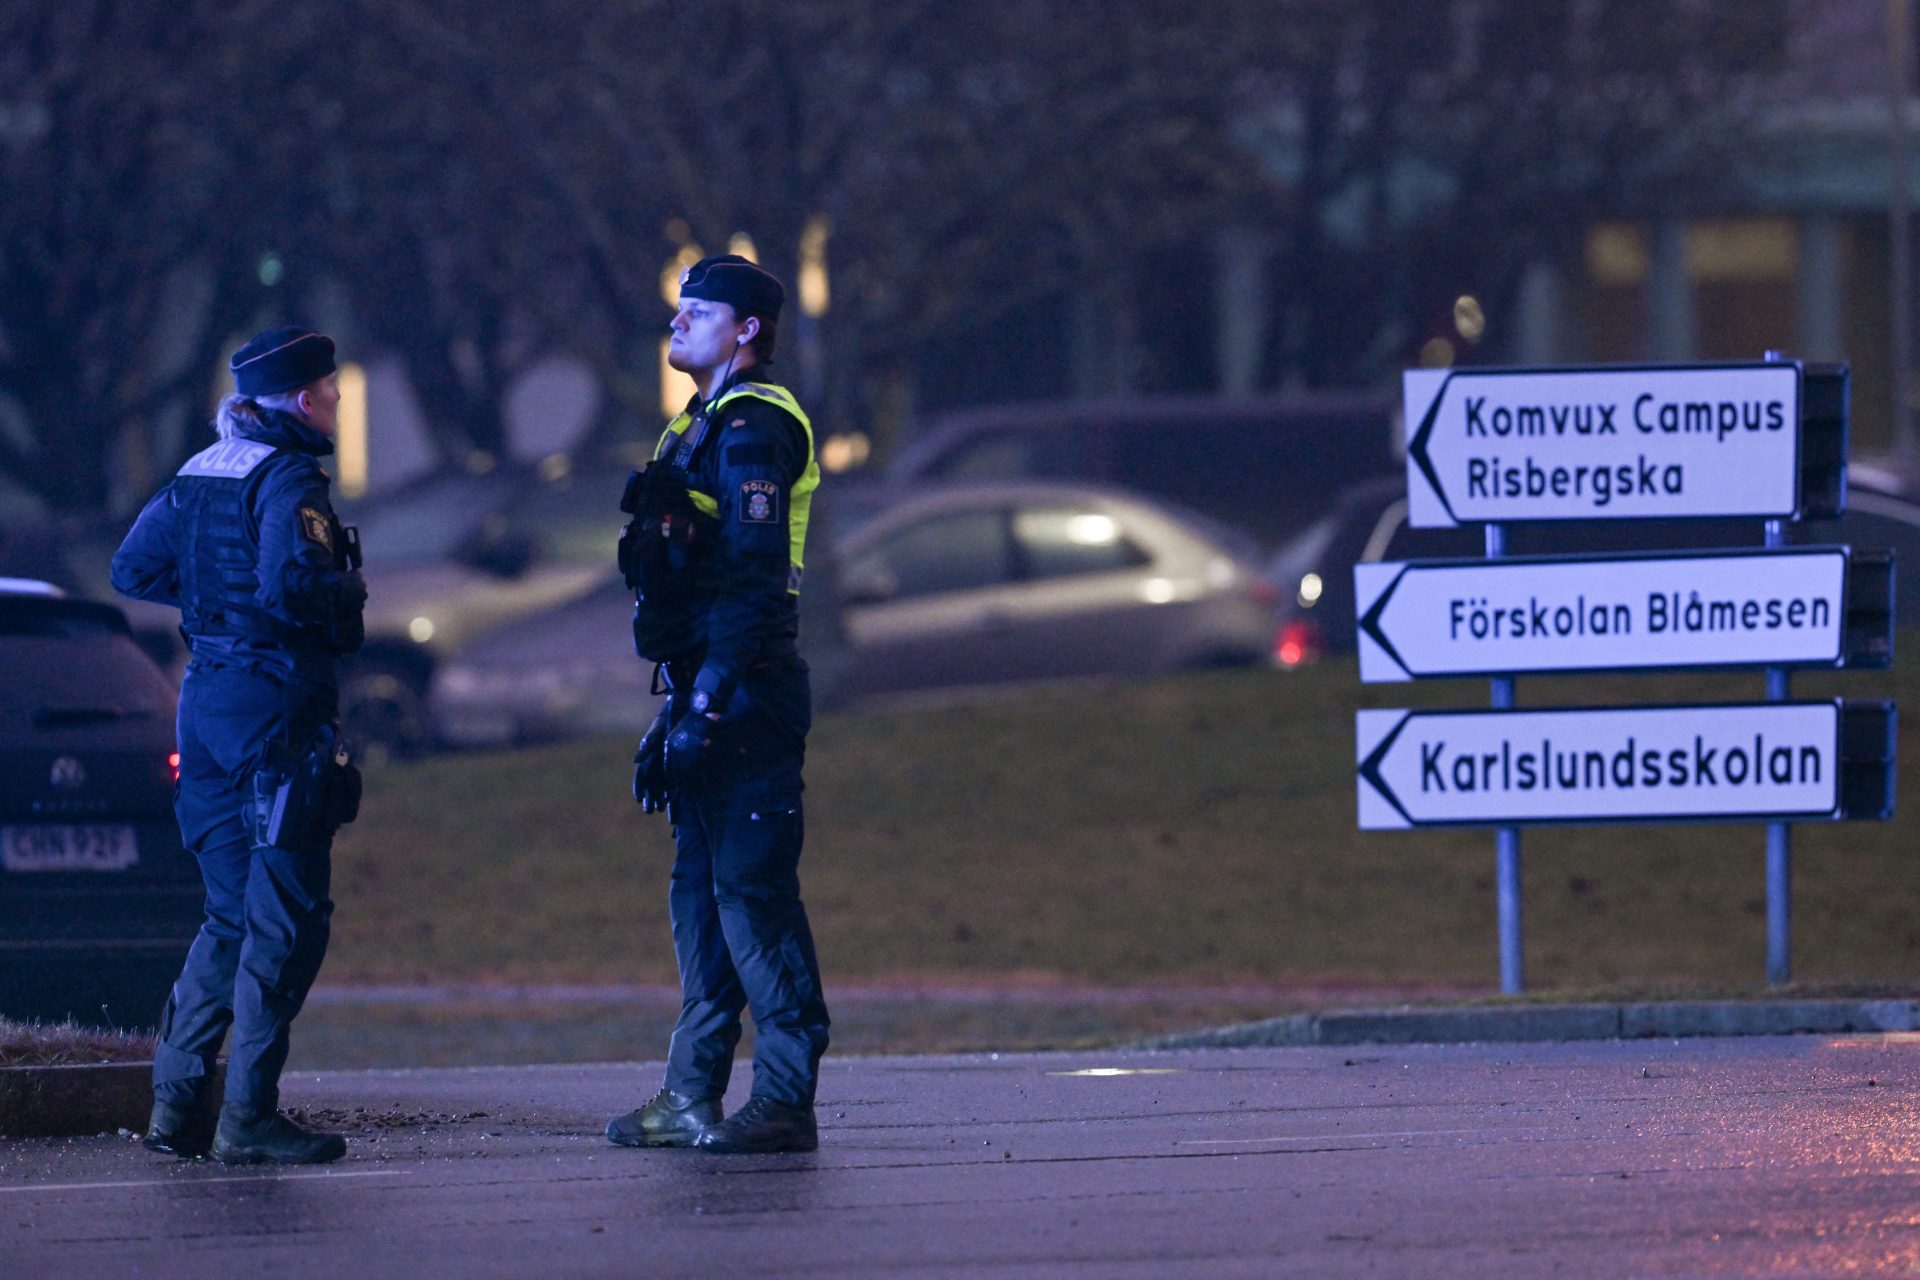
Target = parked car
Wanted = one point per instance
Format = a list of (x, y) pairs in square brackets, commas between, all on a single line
[(1312, 576), (452, 559), (1261, 465), (1019, 581), (98, 899), (968, 586)]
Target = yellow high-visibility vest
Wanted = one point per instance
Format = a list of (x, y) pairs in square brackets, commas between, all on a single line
[(799, 499)]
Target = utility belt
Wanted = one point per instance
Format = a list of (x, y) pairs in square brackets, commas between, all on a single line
[(677, 675), (300, 798)]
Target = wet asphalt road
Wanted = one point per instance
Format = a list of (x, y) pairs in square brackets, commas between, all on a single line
[(1656, 1158)]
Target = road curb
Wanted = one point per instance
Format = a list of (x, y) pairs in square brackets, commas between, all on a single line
[(81, 1098), (63, 1102), (1522, 1023)]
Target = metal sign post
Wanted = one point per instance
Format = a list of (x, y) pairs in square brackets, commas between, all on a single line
[(1506, 840), (1779, 835)]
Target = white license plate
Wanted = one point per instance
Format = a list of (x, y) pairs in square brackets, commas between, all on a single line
[(57, 847)]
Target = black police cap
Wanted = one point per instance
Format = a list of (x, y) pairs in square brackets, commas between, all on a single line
[(281, 359), (749, 289)]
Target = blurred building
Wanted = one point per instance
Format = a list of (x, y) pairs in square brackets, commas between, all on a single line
[(1778, 237), (1756, 222), (1785, 244)]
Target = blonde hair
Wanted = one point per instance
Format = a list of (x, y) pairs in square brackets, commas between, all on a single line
[(238, 413)]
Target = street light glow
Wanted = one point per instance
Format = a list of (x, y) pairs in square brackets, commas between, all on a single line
[(350, 437)]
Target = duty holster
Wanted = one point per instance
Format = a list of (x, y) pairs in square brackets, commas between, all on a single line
[(301, 798)]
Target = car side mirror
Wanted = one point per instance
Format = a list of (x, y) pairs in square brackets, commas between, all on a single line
[(869, 586)]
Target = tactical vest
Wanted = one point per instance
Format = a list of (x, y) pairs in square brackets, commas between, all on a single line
[(220, 545), (799, 499)]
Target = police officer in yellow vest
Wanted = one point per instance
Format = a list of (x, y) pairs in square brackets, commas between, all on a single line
[(714, 555)]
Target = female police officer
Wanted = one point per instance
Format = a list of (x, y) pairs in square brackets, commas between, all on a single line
[(246, 544), (714, 556)]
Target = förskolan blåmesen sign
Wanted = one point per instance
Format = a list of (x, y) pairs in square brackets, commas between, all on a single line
[(1600, 764), (1608, 443), (1621, 612)]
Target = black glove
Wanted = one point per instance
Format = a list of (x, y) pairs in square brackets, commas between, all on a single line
[(351, 595), (347, 629), (690, 750), (650, 766)]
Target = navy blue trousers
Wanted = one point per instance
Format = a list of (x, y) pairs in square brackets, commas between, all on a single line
[(740, 931), (268, 909)]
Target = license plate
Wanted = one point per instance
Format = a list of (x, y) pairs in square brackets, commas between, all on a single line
[(57, 847)]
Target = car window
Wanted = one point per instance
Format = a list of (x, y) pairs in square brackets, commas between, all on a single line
[(959, 551), (1267, 475), (55, 660), (1064, 541), (574, 519)]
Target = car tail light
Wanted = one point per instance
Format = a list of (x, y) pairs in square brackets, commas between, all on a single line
[(173, 766), (1296, 642)]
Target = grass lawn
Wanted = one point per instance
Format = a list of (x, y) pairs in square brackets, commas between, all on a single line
[(60, 1044), (1198, 829)]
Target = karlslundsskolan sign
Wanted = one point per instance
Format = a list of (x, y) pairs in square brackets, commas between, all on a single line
[(1618, 442), (1773, 761), (1751, 607)]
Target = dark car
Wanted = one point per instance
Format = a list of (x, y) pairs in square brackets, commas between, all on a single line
[(98, 899), (77, 557), (1265, 466), (1313, 575)]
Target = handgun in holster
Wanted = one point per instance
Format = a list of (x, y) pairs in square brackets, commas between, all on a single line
[(300, 798)]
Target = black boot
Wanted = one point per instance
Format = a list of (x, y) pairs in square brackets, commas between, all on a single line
[(667, 1119), (186, 1131), (762, 1125), (272, 1139)]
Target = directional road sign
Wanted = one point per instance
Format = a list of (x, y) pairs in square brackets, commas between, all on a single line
[(1613, 764), (1602, 444), (1561, 613)]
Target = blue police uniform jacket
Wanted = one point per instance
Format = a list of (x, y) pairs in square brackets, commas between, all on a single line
[(243, 542)]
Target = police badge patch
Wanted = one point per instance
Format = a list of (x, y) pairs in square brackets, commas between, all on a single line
[(759, 502), (316, 527)]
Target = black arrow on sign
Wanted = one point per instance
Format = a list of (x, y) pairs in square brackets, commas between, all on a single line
[(1371, 622), (1370, 769), (1417, 447)]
